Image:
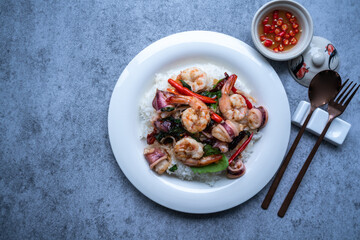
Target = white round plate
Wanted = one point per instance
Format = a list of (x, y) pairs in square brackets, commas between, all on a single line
[(179, 50)]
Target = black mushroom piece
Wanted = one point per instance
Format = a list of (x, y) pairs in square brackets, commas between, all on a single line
[(237, 139), (157, 159), (236, 169), (257, 117), (160, 100)]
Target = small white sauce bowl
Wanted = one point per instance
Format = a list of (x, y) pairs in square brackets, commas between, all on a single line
[(304, 19)]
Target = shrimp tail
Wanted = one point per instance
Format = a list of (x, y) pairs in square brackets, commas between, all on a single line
[(179, 99), (203, 161), (229, 84)]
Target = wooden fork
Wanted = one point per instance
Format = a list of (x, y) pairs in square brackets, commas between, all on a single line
[(335, 108)]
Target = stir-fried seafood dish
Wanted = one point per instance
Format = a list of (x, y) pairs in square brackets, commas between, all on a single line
[(202, 123)]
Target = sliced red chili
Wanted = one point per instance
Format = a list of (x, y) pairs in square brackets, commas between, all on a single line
[(265, 21), (267, 28), (281, 47), (241, 148), (248, 103), (215, 117), (268, 43), (150, 139), (293, 41), (183, 90), (276, 14)]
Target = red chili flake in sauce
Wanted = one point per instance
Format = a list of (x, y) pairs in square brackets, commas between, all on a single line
[(279, 30)]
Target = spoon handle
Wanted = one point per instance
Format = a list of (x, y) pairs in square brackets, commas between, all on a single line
[(285, 163), (296, 184)]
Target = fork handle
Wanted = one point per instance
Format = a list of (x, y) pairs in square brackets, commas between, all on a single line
[(301, 174), (285, 163)]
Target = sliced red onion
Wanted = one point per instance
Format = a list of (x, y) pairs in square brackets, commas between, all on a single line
[(208, 135), (160, 100), (163, 126)]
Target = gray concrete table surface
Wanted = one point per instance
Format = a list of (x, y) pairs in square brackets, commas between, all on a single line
[(59, 63)]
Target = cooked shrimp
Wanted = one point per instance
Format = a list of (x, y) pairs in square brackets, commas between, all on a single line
[(227, 131), (195, 77), (190, 152), (195, 118), (188, 148), (232, 107)]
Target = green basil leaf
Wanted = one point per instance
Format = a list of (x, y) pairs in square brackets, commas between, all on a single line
[(176, 129), (214, 106), (209, 150), (173, 168), (217, 94), (212, 94), (185, 85), (214, 167)]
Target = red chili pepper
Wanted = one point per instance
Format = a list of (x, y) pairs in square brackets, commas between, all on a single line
[(248, 103), (234, 89), (215, 117), (241, 148), (183, 90), (265, 21), (267, 28), (150, 139), (268, 43)]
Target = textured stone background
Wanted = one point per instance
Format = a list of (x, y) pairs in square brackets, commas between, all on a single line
[(59, 62)]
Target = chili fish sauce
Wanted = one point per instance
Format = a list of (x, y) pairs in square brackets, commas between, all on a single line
[(279, 30)]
